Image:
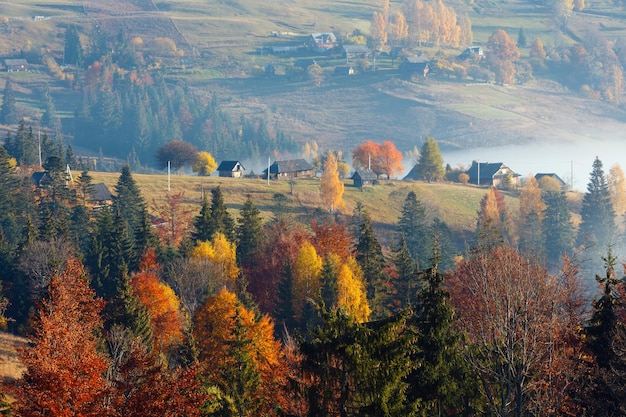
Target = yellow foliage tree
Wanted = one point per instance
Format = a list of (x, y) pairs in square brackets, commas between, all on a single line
[(205, 164), (331, 186), (306, 282), (351, 293), (617, 188), (378, 29), (399, 29), (221, 258), (530, 200)]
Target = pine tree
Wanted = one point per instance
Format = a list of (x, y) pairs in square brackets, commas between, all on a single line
[(558, 230), (406, 284), (441, 375), (597, 226), (250, 236), (220, 220), (8, 111), (133, 213), (49, 118), (412, 224), (370, 257), (73, 50), (201, 223), (430, 164), (521, 38)]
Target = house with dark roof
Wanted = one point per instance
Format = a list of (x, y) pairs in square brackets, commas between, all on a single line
[(16, 65), (364, 177), (233, 169), (472, 53), (100, 196), (555, 177), (321, 42), (492, 174), (415, 66), (355, 51), (295, 168)]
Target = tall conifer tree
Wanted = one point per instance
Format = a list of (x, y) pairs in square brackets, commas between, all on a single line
[(8, 112), (370, 257), (412, 224)]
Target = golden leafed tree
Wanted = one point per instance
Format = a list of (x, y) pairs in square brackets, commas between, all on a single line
[(530, 200), (306, 283), (64, 366), (221, 257), (617, 188), (398, 28), (351, 293), (205, 164), (331, 187), (378, 28)]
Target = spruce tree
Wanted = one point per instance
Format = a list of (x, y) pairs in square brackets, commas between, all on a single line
[(370, 257), (201, 223), (133, 212), (250, 236), (412, 224), (220, 220), (407, 284), (597, 228), (49, 118), (440, 382), (8, 111), (558, 230), (73, 50)]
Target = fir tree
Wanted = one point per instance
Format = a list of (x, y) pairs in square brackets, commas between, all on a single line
[(407, 284), (73, 50), (250, 236), (220, 220), (412, 224), (558, 230), (441, 377), (597, 227), (201, 223), (521, 38), (8, 111), (133, 213), (49, 117), (370, 257)]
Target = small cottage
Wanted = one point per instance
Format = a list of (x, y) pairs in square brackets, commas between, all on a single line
[(344, 70), (321, 42), (233, 169), (100, 196), (364, 177), (295, 168), (16, 65), (415, 66), (492, 174), (41, 179)]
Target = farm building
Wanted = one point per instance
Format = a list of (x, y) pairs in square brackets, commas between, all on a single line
[(295, 168), (321, 42), (492, 174), (233, 169), (555, 177), (16, 65), (355, 51), (415, 66), (100, 196), (364, 177)]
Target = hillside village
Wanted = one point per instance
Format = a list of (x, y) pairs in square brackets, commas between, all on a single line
[(243, 209)]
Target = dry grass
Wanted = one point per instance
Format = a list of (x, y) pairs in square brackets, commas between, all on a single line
[(10, 366)]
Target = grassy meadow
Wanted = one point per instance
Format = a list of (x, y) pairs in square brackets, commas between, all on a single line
[(455, 204)]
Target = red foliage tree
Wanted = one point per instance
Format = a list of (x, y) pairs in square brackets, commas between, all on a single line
[(383, 159), (331, 237), (64, 369)]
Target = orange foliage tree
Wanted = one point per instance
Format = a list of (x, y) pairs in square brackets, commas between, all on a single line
[(161, 302), (383, 159), (241, 362), (331, 187), (64, 368), (331, 237)]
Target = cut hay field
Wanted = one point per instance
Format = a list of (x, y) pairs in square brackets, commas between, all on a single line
[(10, 366)]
